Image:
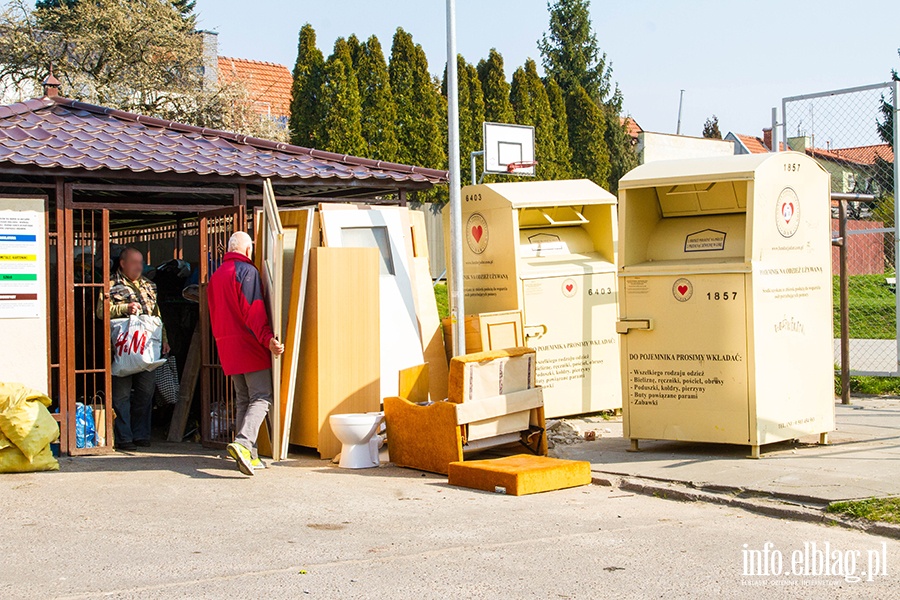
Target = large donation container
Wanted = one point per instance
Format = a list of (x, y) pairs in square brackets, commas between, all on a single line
[(548, 249), (726, 300)]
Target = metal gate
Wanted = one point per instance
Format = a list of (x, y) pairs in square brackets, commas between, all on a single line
[(853, 133), (217, 411), (87, 354)]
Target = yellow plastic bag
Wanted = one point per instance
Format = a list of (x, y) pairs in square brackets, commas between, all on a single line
[(4, 441), (13, 461), (25, 420)]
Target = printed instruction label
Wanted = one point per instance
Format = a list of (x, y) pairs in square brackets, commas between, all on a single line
[(20, 239)]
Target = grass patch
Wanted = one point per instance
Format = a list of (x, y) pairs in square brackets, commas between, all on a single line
[(872, 509), (443, 302), (875, 386), (868, 385), (872, 308)]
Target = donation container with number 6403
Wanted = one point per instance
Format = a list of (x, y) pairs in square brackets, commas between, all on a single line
[(725, 300), (547, 249)]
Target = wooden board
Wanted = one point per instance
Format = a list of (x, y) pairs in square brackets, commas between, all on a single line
[(339, 360), (189, 377), (488, 331), (383, 228), (272, 275), (426, 308), (299, 226)]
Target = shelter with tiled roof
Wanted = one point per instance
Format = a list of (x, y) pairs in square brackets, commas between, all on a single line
[(107, 178), (54, 136)]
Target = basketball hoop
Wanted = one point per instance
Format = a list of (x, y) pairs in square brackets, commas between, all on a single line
[(520, 165)]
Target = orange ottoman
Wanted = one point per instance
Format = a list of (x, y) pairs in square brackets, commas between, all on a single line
[(520, 474)]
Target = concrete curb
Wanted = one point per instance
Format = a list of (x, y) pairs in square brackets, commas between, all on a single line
[(765, 504)]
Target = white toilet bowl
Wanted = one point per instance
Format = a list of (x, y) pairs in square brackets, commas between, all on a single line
[(358, 435)]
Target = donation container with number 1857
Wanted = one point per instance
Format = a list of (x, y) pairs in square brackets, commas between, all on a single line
[(725, 300)]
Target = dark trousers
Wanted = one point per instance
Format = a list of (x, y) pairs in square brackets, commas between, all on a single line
[(133, 401)]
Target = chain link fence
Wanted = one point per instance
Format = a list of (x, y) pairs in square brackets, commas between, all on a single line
[(852, 133)]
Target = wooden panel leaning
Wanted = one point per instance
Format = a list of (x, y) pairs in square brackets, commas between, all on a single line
[(339, 367)]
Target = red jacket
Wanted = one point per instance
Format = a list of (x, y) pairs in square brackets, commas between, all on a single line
[(237, 312)]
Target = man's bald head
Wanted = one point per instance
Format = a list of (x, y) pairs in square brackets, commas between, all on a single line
[(241, 243)]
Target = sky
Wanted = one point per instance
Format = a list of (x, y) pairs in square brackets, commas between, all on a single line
[(735, 59)]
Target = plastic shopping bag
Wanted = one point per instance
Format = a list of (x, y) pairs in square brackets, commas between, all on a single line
[(136, 344), (85, 431), (167, 380), (25, 420)]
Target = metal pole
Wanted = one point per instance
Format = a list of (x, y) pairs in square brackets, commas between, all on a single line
[(774, 147), (680, 101), (896, 132), (784, 134), (845, 304), (472, 157), (457, 308), (844, 283)]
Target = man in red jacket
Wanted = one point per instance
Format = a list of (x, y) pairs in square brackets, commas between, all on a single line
[(245, 343)]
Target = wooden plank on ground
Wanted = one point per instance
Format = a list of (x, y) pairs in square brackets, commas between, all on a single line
[(189, 377)]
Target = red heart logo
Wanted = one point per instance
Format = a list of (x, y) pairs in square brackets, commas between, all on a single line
[(788, 211), (682, 289), (477, 232), (569, 287)]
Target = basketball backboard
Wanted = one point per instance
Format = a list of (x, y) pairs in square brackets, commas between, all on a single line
[(505, 144)]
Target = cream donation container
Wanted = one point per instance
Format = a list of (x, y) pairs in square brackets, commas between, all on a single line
[(726, 300), (548, 249)]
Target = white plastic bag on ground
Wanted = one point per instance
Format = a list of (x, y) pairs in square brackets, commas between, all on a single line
[(136, 344)]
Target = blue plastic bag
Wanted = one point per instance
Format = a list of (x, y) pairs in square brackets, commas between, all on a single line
[(85, 431)]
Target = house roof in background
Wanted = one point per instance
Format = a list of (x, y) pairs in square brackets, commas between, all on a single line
[(631, 126), (862, 155), (268, 84), (753, 144)]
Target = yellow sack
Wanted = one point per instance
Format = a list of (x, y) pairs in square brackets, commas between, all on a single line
[(25, 420), (13, 461), (4, 441)]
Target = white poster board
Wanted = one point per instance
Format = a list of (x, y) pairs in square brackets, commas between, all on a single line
[(24, 357)]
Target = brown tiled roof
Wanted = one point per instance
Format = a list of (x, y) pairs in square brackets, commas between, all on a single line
[(631, 126), (861, 155), (268, 84), (753, 144), (62, 133)]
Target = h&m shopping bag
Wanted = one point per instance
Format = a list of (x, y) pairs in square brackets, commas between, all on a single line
[(136, 344)]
